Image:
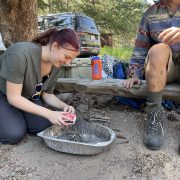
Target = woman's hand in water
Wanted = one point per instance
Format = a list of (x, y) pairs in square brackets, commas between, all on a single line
[(59, 118)]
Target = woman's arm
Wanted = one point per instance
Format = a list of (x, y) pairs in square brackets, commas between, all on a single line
[(15, 99), (52, 100)]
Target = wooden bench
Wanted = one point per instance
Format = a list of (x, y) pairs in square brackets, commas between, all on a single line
[(112, 87)]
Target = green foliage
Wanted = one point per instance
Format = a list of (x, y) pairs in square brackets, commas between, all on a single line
[(120, 17), (122, 53), (42, 7), (115, 16), (57, 6)]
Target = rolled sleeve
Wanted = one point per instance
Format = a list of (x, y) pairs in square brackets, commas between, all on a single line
[(13, 69)]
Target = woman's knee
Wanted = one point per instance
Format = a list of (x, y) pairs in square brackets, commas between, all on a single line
[(159, 54), (13, 136), (41, 125)]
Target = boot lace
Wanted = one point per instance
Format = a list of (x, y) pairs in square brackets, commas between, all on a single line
[(155, 119)]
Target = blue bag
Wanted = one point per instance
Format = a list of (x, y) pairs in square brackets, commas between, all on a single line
[(118, 71), (131, 102)]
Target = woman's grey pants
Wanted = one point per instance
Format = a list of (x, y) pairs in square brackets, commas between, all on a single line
[(14, 123)]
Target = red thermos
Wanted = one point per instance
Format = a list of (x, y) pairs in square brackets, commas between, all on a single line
[(96, 64)]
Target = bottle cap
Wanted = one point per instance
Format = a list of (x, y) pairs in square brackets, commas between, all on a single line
[(95, 58)]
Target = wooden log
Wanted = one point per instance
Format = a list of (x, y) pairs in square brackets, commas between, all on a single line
[(112, 87)]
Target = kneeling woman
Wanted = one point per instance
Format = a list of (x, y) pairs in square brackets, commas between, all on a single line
[(28, 73)]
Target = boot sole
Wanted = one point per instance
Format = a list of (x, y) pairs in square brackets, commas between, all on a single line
[(153, 148)]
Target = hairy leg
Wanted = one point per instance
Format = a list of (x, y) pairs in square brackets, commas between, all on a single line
[(156, 69)]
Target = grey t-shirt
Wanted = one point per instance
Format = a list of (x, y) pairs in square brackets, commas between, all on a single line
[(21, 64)]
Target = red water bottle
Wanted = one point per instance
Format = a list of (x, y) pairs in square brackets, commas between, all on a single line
[(96, 64)]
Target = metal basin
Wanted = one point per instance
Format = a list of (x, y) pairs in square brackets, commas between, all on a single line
[(83, 138)]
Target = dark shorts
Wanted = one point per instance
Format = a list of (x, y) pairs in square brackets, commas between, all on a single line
[(14, 123)]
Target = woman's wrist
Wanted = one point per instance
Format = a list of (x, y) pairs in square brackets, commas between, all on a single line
[(44, 113)]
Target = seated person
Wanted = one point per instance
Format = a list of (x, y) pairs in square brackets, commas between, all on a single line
[(157, 50)]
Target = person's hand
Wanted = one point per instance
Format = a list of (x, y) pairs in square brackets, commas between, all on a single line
[(170, 36), (69, 109), (58, 118), (130, 82)]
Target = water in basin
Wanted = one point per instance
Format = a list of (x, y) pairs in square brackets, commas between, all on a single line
[(84, 138)]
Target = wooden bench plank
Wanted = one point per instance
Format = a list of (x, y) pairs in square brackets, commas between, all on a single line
[(112, 87)]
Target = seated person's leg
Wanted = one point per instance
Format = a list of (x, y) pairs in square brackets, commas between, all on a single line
[(156, 78), (36, 123), (12, 123), (156, 72)]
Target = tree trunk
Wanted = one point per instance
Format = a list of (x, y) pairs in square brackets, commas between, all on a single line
[(107, 39), (49, 5), (67, 4), (18, 20)]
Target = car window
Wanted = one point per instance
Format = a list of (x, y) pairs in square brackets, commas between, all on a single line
[(44, 22), (63, 22), (86, 24)]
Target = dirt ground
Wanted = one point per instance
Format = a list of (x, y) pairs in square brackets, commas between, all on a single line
[(126, 159)]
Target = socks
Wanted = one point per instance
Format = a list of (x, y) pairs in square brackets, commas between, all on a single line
[(155, 97)]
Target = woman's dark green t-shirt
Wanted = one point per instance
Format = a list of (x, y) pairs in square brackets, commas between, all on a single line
[(21, 64)]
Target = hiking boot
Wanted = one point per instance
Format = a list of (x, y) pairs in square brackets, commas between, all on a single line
[(154, 132)]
